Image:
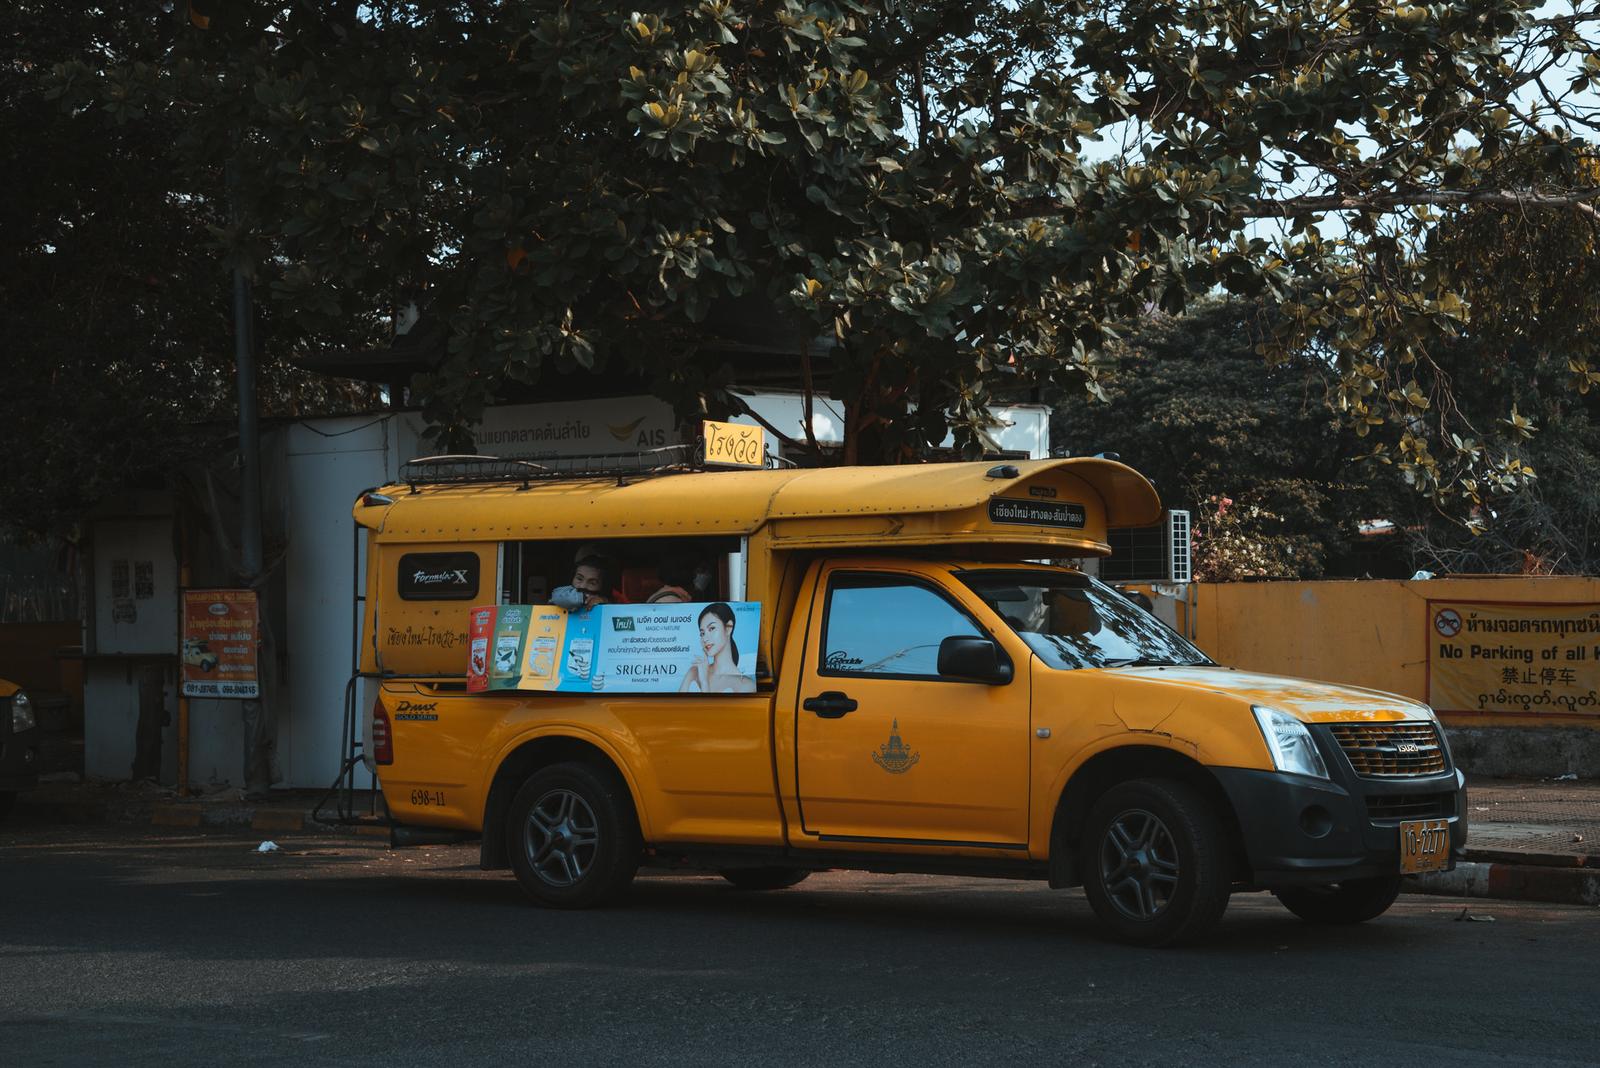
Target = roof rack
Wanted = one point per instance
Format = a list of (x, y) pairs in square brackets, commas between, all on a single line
[(454, 470)]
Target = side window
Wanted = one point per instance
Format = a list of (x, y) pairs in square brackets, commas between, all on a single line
[(887, 626)]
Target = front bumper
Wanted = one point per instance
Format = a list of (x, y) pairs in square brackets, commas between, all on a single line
[(1299, 830)]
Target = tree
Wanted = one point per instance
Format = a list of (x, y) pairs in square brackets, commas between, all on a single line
[(119, 358), (1533, 284), (962, 193), (1252, 452)]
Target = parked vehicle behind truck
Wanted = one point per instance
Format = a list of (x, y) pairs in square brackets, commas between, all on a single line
[(927, 697), (19, 745)]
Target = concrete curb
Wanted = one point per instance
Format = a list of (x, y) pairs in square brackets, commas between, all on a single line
[(181, 814), (1570, 885)]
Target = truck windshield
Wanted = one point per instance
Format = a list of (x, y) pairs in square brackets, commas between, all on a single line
[(1072, 621)]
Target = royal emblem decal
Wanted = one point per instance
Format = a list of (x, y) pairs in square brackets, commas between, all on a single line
[(894, 756)]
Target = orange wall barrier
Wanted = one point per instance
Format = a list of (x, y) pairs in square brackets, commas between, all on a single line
[(1491, 651)]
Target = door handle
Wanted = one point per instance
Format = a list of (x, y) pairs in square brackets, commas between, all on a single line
[(830, 704)]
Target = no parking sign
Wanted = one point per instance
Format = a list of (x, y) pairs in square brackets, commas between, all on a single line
[(1514, 658)]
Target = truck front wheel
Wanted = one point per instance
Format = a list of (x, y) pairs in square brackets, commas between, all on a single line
[(1155, 862), (573, 837), (1352, 901)]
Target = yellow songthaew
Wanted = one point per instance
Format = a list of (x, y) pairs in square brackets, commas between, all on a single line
[(769, 672)]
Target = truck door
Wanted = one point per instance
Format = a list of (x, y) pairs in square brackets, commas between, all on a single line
[(889, 752)]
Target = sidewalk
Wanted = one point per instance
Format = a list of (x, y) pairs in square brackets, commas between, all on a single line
[(1536, 840), (151, 803), (1528, 840)]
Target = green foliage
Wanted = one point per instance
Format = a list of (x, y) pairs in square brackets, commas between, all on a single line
[(1252, 451), (1547, 526), (961, 193), (119, 357)]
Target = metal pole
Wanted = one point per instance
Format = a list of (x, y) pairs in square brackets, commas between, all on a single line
[(250, 554), (184, 579), (257, 773)]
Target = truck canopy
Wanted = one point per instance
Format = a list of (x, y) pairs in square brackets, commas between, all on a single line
[(1061, 505)]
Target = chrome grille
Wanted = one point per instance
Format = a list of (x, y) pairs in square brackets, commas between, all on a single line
[(1390, 750)]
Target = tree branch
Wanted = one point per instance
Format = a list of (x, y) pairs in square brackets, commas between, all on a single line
[(1507, 198), (956, 19)]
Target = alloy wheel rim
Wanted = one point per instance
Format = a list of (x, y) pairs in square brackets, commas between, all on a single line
[(1139, 864), (561, 836)]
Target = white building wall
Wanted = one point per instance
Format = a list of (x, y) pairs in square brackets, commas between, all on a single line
[(133, 616), (328, 462)]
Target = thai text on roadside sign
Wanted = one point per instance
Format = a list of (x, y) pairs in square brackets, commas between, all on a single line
[(734, 444), (221, 634), (699, 647), (1522, 659)]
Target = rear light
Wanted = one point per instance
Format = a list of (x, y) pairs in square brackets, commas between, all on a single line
[(382, 737)]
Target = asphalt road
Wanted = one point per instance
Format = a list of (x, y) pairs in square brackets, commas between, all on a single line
[(134, 947)]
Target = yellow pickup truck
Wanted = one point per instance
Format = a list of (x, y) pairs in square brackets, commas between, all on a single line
[(924, 694)]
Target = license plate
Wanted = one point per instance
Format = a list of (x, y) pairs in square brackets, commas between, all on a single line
[(1424, 846)]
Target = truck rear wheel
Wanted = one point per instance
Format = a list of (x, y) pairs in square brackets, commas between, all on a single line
[(1352, 901), (573, 837), (1155, 862), (766, 878)]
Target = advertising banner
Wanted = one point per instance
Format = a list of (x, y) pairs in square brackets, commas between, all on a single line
[(703, 647), (221, 633), (1539, 659)]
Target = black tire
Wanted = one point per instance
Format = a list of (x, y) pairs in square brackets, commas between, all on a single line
[(572, 836), (766, 878), (1352, 901), (1155, 862)]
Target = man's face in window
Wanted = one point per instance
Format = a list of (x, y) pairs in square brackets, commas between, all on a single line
[(586, 579)]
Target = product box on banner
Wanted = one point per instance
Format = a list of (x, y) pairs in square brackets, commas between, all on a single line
[(699, 647)]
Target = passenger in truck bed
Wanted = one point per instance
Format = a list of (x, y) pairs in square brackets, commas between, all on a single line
[(676, 575), (591, 579)]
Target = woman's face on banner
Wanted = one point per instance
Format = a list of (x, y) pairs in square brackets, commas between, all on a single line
[(713, 635)]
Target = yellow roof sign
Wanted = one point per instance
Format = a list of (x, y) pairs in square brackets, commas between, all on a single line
[(734, 445)]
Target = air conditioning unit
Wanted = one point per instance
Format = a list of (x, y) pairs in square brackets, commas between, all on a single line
[(1157, 553)]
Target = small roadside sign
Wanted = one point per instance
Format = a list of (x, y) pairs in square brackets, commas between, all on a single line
[(221, 634)]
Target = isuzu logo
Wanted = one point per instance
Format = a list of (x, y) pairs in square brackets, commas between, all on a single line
[(1407, 747)]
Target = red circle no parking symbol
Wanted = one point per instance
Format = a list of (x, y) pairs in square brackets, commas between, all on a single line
[(1447, 622)]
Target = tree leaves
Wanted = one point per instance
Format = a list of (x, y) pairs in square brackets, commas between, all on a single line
[(980, 192)]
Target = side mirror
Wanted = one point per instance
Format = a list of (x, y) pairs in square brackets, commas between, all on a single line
[(973, 659)]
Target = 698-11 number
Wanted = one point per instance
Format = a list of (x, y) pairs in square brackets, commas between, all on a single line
[(427, 797)]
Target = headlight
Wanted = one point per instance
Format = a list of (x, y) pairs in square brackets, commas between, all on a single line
[(1289, 742), (21, 713)]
